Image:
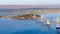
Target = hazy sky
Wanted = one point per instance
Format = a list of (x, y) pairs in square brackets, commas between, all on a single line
[(29, 2)]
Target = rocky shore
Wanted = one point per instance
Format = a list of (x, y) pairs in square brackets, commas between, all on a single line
[(26, 16)]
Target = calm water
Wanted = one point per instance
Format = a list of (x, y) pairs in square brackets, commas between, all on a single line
[(28, 26)]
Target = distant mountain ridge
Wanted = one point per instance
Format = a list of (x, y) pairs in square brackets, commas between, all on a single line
[(26, 9), (28, 6)]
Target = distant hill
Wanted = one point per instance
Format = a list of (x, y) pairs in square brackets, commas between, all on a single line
[(27, 6)]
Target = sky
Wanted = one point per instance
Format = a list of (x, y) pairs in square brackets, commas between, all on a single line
[(29, 2)]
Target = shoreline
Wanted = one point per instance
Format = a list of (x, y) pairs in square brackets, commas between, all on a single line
[(26, 16)]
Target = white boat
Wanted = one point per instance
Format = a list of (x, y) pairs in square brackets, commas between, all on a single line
[(57, 23), (48, 21)]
